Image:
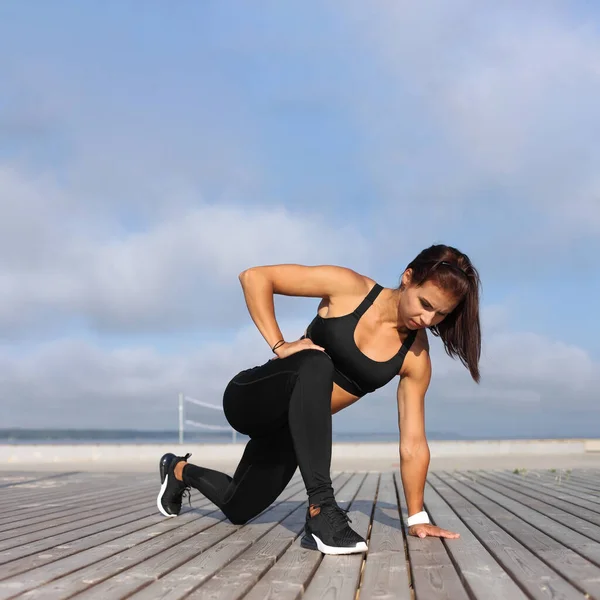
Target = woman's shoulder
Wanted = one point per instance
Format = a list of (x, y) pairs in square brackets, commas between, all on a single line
[(417, 362), (420, 343), (419, 349), (357, 283)]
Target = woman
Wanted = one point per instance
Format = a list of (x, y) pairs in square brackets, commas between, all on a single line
[(362, 337)]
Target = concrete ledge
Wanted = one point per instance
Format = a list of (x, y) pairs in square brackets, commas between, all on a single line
[(592, 445), (506, 447), (218, 453)]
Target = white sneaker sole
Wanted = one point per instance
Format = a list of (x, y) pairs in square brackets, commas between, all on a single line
[(325, 549), (163, 487)]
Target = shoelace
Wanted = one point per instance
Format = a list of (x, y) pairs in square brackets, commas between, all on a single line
[(187, 492), (337, 516)]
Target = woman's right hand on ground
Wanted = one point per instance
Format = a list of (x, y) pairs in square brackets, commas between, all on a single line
[(290, 348)]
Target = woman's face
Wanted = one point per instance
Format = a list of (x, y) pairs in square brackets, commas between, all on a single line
[(423, 306)]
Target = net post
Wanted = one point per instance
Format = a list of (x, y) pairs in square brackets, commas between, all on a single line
[(180, 418)]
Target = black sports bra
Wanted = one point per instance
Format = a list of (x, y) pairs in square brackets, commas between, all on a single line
[(354, 371)]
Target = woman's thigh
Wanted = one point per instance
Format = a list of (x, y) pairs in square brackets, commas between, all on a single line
[(256, 400)]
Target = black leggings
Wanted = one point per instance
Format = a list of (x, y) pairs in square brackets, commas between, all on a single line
[(285, 408)]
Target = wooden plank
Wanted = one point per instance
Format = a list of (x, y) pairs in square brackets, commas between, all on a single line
[(76, 573), (63, 492), (288, 578), (556, 484), (433, 575), (27, 510), (16, 481), (54, 519), (560, 565), (142, 527), (479, 570), (49, 533), (120, 517), (237, 578), (198, 557), (82, 480), (53, 483), (518, 540), (524, 567), (557, 480), (573, 477), (250, 547), (567, 502), (8, 476), (57, 510), (563, 527), (589, 479), (385, 575), (545, 505), (71, 500), (128, 531), (339, 576), (53, 531)]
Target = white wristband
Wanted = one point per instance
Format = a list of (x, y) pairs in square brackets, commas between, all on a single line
[(418, 519)]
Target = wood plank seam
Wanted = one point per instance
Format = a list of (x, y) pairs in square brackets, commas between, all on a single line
[(571, 510), (522, 542), (185, 535), (44, 478), (577, 498), (503, 564), (293, 524), (368, 540), (530, 520), (467, 585), (274, 577), (411, 576)]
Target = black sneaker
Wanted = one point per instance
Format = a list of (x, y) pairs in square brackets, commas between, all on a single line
[(171, 489), (330, 533)]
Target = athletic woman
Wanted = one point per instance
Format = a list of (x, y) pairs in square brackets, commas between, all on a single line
[(362, 337)]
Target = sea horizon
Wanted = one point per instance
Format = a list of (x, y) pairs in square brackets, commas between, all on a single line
[(22, 436)]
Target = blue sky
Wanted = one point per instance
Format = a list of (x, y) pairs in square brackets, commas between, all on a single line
[(147, 156)]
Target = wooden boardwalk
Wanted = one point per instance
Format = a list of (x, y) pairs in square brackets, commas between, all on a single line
[(99, 536)]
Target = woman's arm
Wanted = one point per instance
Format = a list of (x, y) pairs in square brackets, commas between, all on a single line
[(261, 283), (414, 450)]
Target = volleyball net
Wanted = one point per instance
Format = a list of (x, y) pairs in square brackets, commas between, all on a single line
[(202, 416)]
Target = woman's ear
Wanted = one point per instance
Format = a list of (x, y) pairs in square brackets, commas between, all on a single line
[(406, 278)]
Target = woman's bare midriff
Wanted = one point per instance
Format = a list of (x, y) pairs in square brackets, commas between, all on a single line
[(377, 342), (340, 399)]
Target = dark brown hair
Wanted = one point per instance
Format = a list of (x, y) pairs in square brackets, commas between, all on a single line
[(453, 272)]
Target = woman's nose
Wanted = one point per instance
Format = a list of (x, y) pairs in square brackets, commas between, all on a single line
[(427, 319)]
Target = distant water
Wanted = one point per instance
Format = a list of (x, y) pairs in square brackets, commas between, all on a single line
[(132, 436)]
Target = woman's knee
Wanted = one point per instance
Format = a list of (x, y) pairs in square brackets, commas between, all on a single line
[(239, 517), (315, 361), (241, 513)]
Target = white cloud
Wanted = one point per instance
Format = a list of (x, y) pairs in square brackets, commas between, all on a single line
[(178, 272), (518, 369), (484, 103), (74, 383)]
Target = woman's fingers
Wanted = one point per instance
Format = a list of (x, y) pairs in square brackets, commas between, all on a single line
[(448, 534), (425, 530), (311, 345), (290, 348)]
